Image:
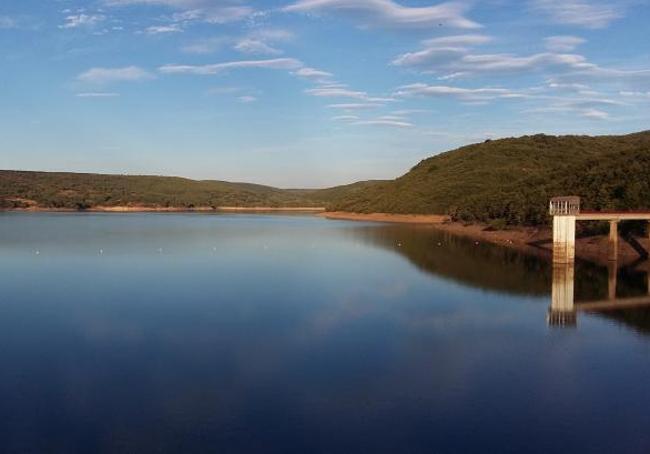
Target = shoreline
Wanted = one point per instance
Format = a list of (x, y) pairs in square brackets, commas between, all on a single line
[(146, 209), (531, 240)]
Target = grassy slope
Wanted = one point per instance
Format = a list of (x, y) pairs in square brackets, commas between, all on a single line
[(512, 179)]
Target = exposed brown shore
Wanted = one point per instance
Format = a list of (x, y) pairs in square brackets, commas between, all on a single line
[(532, 240)]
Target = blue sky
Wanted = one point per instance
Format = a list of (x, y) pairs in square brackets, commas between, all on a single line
[(308, 93)]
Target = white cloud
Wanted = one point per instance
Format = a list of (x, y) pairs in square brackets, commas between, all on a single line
[(635, 94), (82, 20), (158, 29), (97, 95), (7, 22), (205, 46), (335, 92), (355, 106), (466, 94), (210, 11), (595, 114), (255, 47), (277, 63), (458, 41), (107, 75), (345, 118), (315, 75), (389, 13), (584, 13), (247, 99), (380, 122), (460, 62), (260, 42), (563, 43)]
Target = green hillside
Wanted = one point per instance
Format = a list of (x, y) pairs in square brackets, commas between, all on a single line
[(513, 179), (73, 190)]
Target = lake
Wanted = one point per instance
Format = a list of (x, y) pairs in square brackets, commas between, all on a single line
[(296, 334)]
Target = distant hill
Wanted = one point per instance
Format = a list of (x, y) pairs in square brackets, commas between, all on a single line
[(19, 189), (510, 180), (513, 179)]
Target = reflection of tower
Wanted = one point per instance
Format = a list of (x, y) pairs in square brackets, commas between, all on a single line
[(562, 311)]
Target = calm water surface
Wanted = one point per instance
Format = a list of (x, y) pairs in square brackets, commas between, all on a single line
[(254, 333)]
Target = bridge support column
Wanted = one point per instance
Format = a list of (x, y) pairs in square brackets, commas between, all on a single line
[(612, 245), (562, 311), (612, 280), (564, 239)]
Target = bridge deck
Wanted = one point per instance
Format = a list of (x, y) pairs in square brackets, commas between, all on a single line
[(613, 216)]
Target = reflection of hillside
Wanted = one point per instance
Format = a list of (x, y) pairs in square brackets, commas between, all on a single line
[(631, 283), (483, 265), (492, 267)]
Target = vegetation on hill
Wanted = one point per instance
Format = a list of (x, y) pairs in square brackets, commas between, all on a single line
[(20, 189), (513, 179), (506, 181), (81, 191)]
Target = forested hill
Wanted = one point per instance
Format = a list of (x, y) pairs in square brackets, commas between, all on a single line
[(510, 180), (513, 179), (20, 189)]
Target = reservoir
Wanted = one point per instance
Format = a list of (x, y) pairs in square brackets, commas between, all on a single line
[(296, 334)]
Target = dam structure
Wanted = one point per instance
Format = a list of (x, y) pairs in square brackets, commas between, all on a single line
[(566, 212)]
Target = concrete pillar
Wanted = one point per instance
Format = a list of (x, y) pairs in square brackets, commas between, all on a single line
[(612, 280), (562, 311), (612, 253), (648, 278), (564, 239)]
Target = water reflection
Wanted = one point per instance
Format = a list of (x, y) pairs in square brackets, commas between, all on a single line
[(620, 303), (582, 287), (476, 264)]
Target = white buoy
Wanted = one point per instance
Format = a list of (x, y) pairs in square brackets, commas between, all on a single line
[(38, 252)]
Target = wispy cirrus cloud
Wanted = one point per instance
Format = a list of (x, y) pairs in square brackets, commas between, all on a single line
[(314, 75), (583, 13), (108, 75), (210, 11), (263, 42), (247, 99), (277, 63), (563, 43), (344, 93), (454, 56), (465, 94), (97, 95), (388, 13), (384, 122), (206, 45), (82, 20), (356, 106), (163, 29), (7, 22)]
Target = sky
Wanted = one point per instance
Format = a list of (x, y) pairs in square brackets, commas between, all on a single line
[(308, 93)]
